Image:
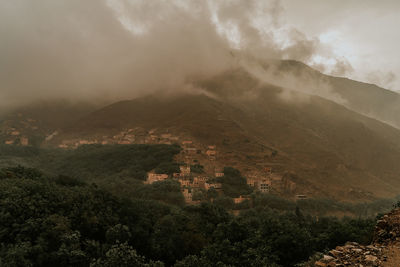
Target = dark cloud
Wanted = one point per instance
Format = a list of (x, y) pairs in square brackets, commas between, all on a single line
[(80, 49), (116, 49)]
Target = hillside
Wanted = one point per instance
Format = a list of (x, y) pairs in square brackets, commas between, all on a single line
[(34, 122), (62, 221), (364, 98), (319, 146), (383, 251)]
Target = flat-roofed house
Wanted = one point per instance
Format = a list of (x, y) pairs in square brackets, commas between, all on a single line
[(185, 170), (216, 186), (190, 150), (211, 154), (187, 194), (301, 197), (166, 136), (252, 181), (240, 199), (268, 170), (187, 142), (24, 141), (184, 182), (199, 182), (155, 177), (177, 175), (264, 185)]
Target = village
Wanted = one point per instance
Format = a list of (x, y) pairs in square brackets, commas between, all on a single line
[(193, 153), (13, 133), (192, 182)]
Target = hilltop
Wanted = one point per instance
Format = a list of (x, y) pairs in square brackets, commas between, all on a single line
[(367, 99)]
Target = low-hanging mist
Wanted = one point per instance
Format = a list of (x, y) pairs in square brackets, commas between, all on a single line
[(116, 49)]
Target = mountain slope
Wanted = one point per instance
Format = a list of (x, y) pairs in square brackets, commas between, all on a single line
[(364, 98), (36, 121), (325, 148)]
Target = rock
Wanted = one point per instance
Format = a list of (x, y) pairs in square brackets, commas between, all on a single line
[(371, 258), (335, 253), (327, 258), (352, 254), (381, 223)]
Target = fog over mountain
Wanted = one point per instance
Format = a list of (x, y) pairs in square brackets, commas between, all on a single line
[(360, 31), (199, 133), (117, 49)]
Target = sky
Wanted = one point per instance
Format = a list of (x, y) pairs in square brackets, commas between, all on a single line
[(117, 49), (365, 32)]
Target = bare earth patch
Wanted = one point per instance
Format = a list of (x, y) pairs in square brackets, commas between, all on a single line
[(393, 256)]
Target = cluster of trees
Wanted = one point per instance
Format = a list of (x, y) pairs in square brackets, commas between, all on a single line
[(63, 221), (94, 162), (197, 168), (324, 206), (18, 151), (233, 183), (121, 169)]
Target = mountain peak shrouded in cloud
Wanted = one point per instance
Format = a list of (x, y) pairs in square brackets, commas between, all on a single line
[(119, 49)]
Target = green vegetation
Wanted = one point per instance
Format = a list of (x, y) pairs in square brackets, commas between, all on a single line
[(18, 151), (93, 162), (115, 160), (323, 207), (197, 168), (62, 221), (89, 208), (168, 191), (233, 183), (167, 167)]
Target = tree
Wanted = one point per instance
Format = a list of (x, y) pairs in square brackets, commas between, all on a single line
[(123, 255), (233, 183), (118, 233)]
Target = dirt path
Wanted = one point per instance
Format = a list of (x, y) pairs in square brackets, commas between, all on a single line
[(393, 256)]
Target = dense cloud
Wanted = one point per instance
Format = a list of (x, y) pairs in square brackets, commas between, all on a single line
[(79, 49), (361, 33), (115, 49)]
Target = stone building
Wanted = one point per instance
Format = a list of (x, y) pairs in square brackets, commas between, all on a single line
[(185, 170), (154, 177), (241, 199), (24, 141)]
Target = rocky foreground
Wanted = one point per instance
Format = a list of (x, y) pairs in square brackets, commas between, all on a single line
[(384, 250)]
